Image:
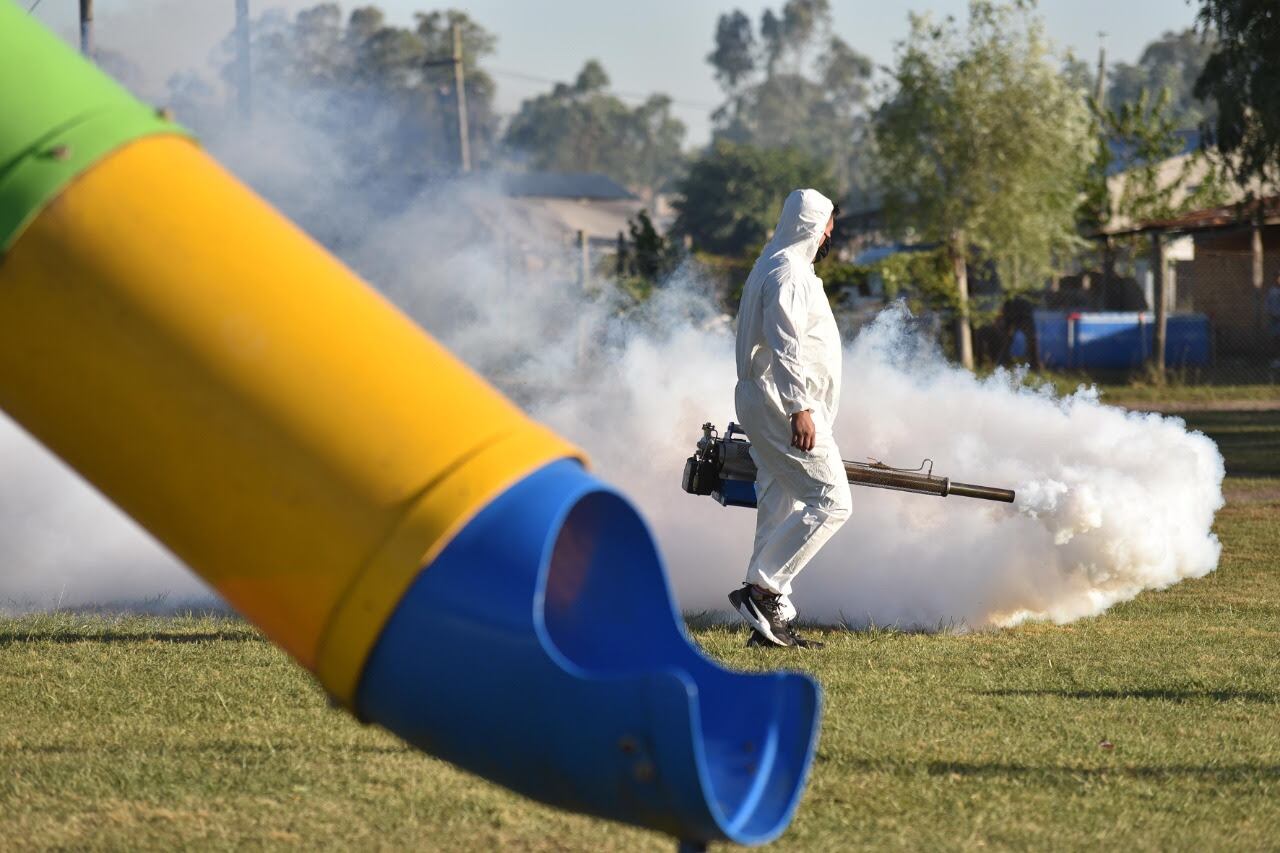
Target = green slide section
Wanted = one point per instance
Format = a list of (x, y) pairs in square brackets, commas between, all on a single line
[(51, 133)]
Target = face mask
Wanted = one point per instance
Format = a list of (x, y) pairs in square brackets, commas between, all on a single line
[(823, 248)]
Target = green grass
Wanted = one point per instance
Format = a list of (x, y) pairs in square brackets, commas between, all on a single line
[(1178, 390), (1250, 441), (143, 733), (1156, 396)]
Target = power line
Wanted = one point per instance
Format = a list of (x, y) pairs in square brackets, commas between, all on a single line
[(534, 78), (631, 96)]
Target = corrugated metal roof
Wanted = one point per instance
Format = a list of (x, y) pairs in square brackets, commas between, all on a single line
[(574, 185), (1211, 218)]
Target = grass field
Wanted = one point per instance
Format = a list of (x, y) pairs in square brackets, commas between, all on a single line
[(1176, 392), (147, 733)]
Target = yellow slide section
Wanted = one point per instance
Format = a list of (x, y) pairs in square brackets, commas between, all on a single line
[(291, 435)]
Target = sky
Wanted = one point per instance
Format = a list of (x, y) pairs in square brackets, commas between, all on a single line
[(653, 46)]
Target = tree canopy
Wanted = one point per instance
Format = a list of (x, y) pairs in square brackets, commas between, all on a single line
[(730, 199), (1243, 76), (581, 127), (1171, 62), (984, 137), (1127, 180), (334, 74), (983, 145), (794, 85)]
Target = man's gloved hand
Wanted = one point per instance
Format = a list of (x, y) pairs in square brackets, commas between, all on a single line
[(803, 432)]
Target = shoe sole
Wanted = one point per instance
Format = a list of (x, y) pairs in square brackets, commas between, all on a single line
[(757, 641), (742, 603)]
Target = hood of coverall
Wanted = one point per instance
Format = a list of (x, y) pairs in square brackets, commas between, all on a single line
[(804, 218)]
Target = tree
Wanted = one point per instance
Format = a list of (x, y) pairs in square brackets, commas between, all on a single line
[(796, 86), (1128, 181), (332, 75), (647, 260), (583, 128), (730, 200), (1079, 74), (1170, 63), (735, 55), (654, 256), (1242, 76), (983, 146)]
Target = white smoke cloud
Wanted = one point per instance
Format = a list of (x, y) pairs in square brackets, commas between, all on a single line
[(64, 545), (1110, 502), (159, 38)]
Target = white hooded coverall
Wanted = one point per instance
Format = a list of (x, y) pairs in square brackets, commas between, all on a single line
[(789, 354)]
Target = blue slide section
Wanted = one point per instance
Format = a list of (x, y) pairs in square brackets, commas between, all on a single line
[(542, 650)]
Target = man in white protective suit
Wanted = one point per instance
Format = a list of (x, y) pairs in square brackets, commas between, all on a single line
[(788, 390)]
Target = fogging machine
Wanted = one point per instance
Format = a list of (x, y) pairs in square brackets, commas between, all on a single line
[(723, 468)]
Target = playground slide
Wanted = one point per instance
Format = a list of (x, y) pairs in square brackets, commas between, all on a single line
[(444, 566)]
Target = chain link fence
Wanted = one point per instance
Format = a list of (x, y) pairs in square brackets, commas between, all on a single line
[(1243, 314), (1223, 325)]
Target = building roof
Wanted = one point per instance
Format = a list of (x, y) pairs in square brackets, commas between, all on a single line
[(1266, 209), (601, 221), (565, 185), (543, 207)]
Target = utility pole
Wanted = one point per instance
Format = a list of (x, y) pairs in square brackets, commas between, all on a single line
[(244, 79), (86, 28), (460, 91), (1109, 244), (1100, 85), (459, 97)]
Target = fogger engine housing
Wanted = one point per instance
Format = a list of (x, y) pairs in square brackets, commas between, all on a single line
[(722, 467)]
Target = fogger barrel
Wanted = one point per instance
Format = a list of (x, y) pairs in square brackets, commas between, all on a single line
[(722, 467), (920, 480)]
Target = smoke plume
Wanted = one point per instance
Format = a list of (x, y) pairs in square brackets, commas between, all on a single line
[(1110, 503)]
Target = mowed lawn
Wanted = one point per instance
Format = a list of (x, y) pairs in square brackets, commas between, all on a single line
[(1153, 727)]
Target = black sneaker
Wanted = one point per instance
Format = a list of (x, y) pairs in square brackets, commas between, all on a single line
[(761, 611), (804, 642), (757, 640)]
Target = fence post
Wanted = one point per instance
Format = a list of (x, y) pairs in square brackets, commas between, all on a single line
[(1259, 285), (964, 330), (584, 268), (584, 280), (1160, 297)]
